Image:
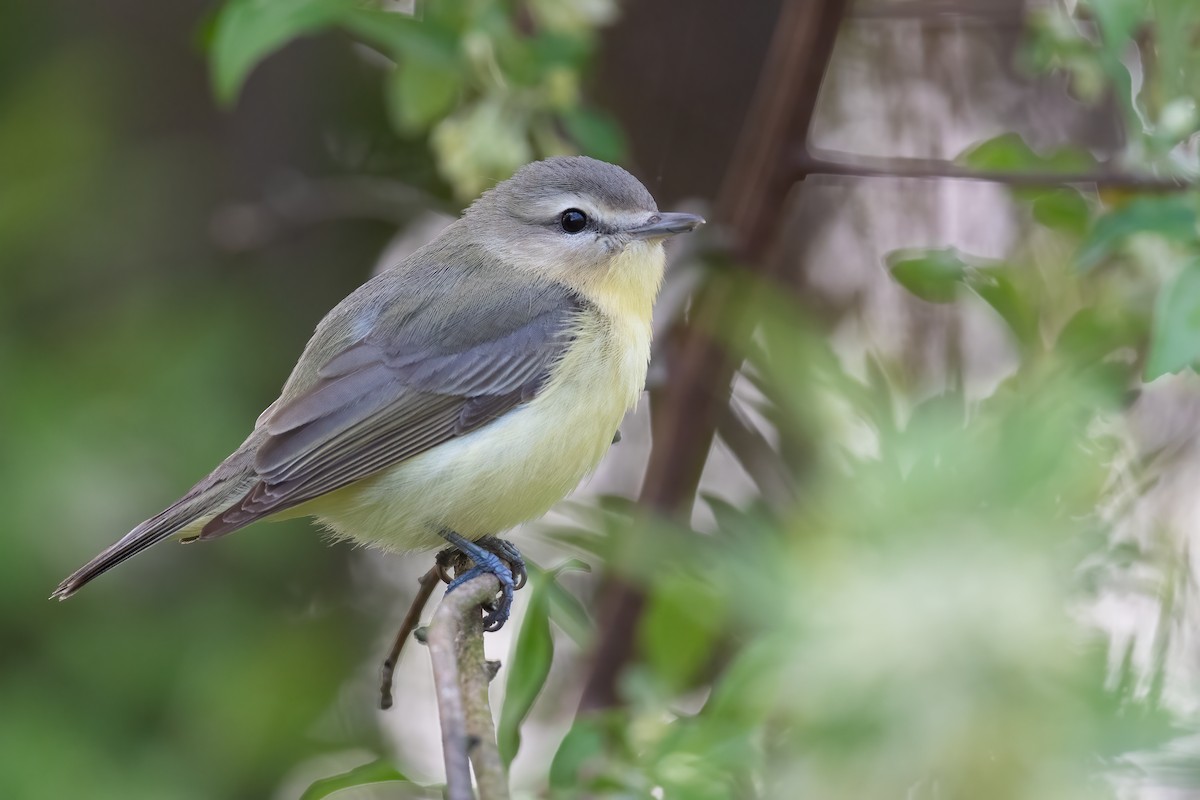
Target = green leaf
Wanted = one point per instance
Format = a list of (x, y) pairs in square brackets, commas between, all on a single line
[(1117, 20), (680, 628), (1062, 210), (1093, 334), (556, 50), (935, 275), (1169, 217), (596, 134), (568, 613), (585, 742), (1175, 342), (932, 275), (421, 92), (247, 31), (728, 516), (533, 652), (1005, 152), (482, 142), (378, 771), (994, 286), (1009, 153), (428, 39)]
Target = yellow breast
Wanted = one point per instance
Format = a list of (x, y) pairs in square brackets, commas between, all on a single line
[(515, 468)]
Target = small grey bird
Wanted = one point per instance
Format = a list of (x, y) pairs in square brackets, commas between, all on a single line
[(460, 393)]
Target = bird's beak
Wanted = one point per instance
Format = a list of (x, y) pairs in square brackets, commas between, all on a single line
[(666, 224)]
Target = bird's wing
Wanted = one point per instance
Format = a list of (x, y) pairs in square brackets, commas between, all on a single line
[(388, 398)]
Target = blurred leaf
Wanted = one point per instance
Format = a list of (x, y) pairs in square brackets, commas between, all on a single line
[(1091, 335), (596, 134), (932, 275), (567, 612), (247, 31), (378, 771), (1062, 210), (1118, 20), (533, 651), (404, 38), (577, 16), (996, 288), (421, 92), (1175, 344), (727, 515), (481, 143), (1171, 217), (680, 628), (1009, 153), (584, 743), (555, 51), (1005, 152)]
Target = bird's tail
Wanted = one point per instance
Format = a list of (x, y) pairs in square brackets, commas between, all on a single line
[(203, 501)]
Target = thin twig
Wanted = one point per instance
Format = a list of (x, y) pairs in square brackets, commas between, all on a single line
[(868, 167), (387, 677), (468, 735)]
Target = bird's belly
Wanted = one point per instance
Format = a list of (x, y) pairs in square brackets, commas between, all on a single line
[(505, 473)]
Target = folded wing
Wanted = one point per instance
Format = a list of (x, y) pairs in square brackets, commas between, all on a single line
[(390, 397)]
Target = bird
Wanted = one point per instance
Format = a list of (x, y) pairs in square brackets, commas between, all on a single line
[(461, 392)]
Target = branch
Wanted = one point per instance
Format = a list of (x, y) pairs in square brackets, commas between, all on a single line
[(868, 167), (461, 675), (686, 410), (387, 677)]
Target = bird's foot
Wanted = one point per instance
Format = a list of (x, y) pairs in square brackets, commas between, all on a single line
[(488, 555)]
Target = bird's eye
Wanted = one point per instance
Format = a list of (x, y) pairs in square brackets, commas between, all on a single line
[(573, 220)]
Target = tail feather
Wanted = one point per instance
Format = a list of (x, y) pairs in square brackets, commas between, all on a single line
[(221, 488), (150, 532)]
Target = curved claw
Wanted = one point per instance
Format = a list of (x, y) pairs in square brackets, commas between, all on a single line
[(500, 609), (444, 561), (509, 552), (491, 556)]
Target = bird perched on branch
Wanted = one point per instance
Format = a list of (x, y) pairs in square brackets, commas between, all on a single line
[(463, 391)]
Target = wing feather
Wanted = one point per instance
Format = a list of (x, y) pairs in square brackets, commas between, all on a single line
[(379, 402)]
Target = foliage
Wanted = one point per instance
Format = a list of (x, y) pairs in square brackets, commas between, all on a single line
[(492, 87), (1096, 44), (909, 626), (369, 774), (532, 653)]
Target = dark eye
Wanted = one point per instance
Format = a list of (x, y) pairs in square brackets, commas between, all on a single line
[(573, 220)]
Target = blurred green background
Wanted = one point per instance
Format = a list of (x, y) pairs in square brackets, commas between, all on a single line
[(942, 550), (136, 350)]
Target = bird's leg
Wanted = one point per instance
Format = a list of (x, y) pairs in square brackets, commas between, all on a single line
[(510, 555), (490, 556)]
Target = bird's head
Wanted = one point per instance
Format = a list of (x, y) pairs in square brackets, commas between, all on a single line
[(583, 223)]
